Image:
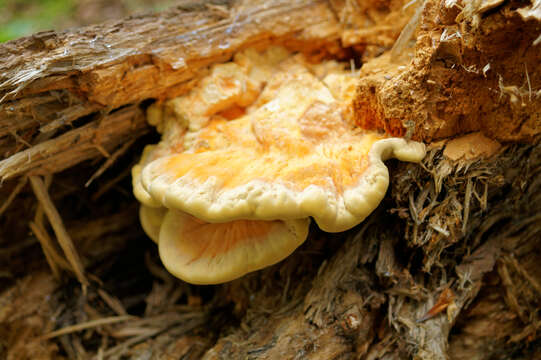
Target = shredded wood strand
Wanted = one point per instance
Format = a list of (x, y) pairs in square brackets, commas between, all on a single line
[(112, 302), (55, 220), (44, 242), (13, 194), (110, 161), (86, 325), (104, 188), (53, 257)]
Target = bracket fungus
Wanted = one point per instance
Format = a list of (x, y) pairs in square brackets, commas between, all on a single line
[(249, 155)]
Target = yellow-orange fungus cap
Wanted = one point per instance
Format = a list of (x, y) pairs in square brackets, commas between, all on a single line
[(267, 137), (294, 154)]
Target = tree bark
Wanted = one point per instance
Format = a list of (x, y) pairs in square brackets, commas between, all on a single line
[(446, 268)]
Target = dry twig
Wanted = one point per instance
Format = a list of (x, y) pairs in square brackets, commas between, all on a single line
[(87, 325), (58, 226), (13, 194)]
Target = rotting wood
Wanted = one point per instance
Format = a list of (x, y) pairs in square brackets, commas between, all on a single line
[(355, 295), (449, 83), (77, 145), (111, 64), (49, 80)]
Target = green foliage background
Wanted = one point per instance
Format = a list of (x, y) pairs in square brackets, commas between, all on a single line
[(23, 17)]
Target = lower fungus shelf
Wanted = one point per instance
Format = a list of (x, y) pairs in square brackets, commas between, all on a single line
[(207, 253)]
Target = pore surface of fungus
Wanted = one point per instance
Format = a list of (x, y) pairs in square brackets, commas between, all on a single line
[(249, 155)]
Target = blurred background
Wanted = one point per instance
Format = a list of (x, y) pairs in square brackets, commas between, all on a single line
[(24, 17)]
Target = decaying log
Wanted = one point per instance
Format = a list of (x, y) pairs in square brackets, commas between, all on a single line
[(466, 75), (112, 64), (98, 137), (50, 79), (446, 268)]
